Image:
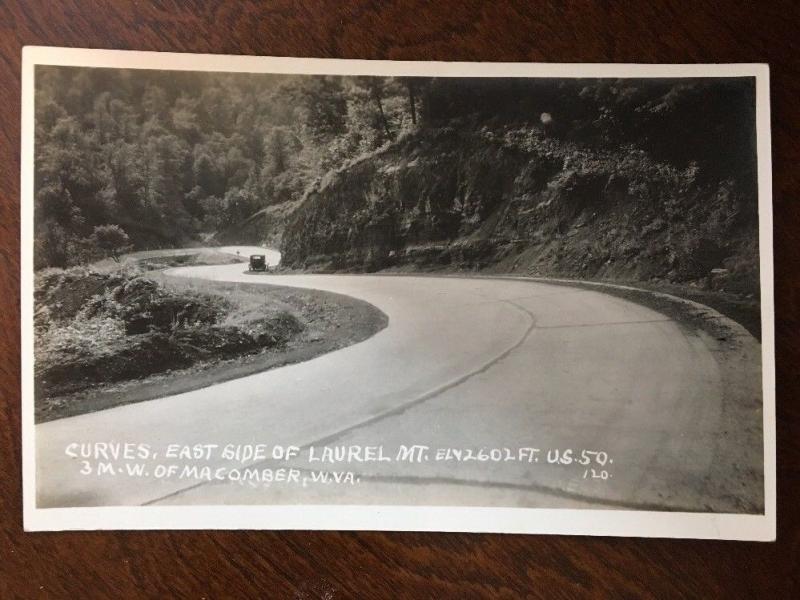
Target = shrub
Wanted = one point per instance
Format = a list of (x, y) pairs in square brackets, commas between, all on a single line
[(111, 240)]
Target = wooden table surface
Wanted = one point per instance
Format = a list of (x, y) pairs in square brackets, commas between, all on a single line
[(408, 565)]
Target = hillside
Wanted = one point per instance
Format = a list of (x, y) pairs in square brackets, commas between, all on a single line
[(263, 228), (518, 199), (170, 158)]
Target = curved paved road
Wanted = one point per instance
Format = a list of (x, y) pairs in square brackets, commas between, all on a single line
[(463, 363)]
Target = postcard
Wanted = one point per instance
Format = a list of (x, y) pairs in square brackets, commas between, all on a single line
[(283, 293)]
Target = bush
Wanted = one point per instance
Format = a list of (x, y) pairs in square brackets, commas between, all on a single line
[(111, 240)]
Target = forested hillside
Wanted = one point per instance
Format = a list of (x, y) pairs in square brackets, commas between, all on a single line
[(621, 179), (636, 178), (163, 159)]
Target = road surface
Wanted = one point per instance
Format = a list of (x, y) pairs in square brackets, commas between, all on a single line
[(464, 364)]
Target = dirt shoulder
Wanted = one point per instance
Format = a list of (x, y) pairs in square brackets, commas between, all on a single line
[(328, 322)]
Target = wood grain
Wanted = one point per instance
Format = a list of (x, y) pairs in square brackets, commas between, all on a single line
[(408, 565)]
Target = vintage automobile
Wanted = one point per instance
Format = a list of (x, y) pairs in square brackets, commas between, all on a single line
[(257, 263)]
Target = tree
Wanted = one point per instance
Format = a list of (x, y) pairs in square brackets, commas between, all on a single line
[(50, 247), (111, 240), (411, 87), (374, 86), (324, 106)]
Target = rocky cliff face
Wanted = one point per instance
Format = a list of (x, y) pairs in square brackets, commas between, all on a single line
[(517, 200)]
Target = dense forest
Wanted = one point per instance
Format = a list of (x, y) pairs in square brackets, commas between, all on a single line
[(148, 159)]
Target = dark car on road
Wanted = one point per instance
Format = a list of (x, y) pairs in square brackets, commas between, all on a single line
[(257, 263)]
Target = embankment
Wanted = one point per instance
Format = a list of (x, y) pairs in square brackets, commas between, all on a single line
[(104, 339), (515, 200)]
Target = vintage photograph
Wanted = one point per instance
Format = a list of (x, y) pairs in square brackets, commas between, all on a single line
[(328, 287)]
